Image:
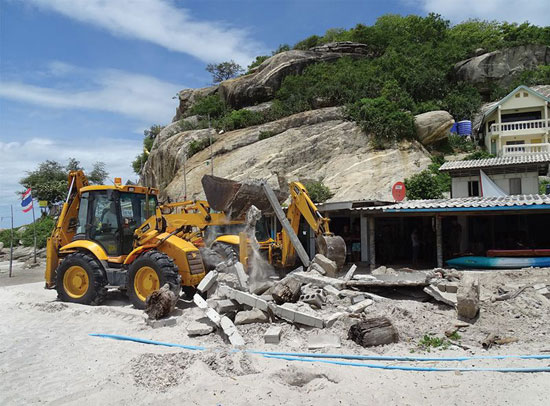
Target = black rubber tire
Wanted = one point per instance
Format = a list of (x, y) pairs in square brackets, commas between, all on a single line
[(228, 252), (164, 266), (96, 290)]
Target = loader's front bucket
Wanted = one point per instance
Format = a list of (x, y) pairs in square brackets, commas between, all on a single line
[(235, 198), (333, 247)]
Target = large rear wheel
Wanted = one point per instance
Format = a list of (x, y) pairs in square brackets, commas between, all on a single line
[(150, 272), (80, 280)]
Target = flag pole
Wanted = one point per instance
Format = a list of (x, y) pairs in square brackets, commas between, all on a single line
[(11, 240), (34, 228)]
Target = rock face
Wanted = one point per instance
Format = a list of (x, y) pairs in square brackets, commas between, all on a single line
[(318, 144), (433, 126), (501, 67), (261, 85)]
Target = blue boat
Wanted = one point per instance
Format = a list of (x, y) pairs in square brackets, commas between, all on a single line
[(499, 262)]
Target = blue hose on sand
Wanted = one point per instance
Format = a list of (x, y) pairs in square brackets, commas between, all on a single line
[(330, 358)]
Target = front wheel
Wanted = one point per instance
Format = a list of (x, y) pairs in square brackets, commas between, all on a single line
[(148, 273), (228, 252), (80, 280)]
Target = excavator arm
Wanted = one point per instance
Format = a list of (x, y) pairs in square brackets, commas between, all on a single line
[(65, 226), (327, 243)]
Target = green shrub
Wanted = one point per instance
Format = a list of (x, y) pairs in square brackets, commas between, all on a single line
[(430, 341), (240, 119), (542, 186), (212, 105), (424, 185), (266, 134), (197, 146), (383, 119), (309, 42), (44, 228), (461, 144), (317, 191), (257, 62), (5, 237)]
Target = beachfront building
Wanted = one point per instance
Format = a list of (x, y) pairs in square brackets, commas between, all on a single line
[(519, 123)]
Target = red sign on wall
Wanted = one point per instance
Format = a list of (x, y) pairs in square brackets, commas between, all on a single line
[(398, 191)]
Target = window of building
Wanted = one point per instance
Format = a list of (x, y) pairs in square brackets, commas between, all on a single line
[(473, 188), (518, 95), (525, 94), (515, 186)]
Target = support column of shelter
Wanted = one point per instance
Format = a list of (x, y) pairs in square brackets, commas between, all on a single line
[(439, 242), (372, 246)]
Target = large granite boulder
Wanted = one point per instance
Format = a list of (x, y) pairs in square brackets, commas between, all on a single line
[(501, 67), (317, 144), (433, 126)]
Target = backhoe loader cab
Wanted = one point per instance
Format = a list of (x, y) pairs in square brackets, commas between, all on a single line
[(115, 236)]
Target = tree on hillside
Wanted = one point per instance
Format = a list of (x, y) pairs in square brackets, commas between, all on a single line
[(98, 175), (223, 71)]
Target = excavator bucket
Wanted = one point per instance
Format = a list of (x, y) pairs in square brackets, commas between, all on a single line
[(235, 198), (333, 247)]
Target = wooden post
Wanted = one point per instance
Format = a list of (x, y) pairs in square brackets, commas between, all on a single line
[(34, 229), (372, 244), (439, 242), (11, 241), (364, 239)]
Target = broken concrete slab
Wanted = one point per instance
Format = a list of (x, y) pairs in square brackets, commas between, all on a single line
[(227, 306), (400, 279), (444, 297), (241, 275), (323, 340), (364, 277), (200, 327), (318, 280), (359, 307), (328, 265), (250, 316), (296, 316), (208, 311), (259, 288), (349, 293), (330, 320), (468, 297), (231, 331), (350, 272), (357, 299), (330, 290), (166, 322), (244, 298), (273, 335), (208, 281), (314, 267)]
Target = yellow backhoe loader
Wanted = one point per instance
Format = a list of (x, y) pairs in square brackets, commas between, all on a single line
[(116, 236), (235, 198)]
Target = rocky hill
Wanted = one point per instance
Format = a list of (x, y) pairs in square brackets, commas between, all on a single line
[(321, 142)]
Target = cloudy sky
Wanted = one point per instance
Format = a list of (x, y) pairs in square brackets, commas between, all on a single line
[(84, 78)]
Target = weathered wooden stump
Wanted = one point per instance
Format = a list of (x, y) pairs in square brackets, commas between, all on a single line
[(160, 303), (373, 331), (287, 290)]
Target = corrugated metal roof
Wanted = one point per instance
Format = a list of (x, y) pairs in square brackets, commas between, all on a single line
[(494, 162), (467, 203)]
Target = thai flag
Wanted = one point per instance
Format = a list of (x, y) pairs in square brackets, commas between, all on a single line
[(26, 201)]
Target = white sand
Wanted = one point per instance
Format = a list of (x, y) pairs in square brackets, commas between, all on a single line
[(47, 356)]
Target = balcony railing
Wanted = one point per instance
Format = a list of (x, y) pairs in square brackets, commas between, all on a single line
[(525, 149), (520, 127)]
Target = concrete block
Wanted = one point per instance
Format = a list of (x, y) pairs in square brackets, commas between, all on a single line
[(167, 322), (451, 287), (200, 328), (200, 302), (359, 307), (330, 320), (227, 306), (323, 340), (328, 265), (208, 281), (313, 267), (314, 299), (308, 320), (208, 311), (350, 273), (250, 316), (241, 275), (330, 290), (231, 331), (273, 335)]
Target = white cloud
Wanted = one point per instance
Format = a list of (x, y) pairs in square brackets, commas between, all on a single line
[(535, 11), (129, 94), (162, 23), (20, 157)]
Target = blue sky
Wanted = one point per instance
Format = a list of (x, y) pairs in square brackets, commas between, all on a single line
[(84, 78)]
